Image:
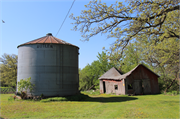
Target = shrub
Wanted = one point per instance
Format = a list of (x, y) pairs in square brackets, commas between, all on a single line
[(168, 93), (42, 96), (178, 92), (174, 92), (25, 85)]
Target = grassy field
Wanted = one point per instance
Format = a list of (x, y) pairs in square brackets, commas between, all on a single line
[(96, 106)]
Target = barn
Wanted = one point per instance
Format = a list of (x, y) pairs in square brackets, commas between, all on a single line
[(139, 80)]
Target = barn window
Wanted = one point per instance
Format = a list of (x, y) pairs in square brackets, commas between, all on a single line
[(116, 87), (130, 86)]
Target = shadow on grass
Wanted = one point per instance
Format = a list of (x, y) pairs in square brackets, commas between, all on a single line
[(85, 98), (109, 99)]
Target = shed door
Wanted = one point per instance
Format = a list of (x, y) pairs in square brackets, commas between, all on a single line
[(104, 86), (146, 86), (137, 86)]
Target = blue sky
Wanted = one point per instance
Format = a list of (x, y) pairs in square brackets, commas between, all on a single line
[(26, 20)]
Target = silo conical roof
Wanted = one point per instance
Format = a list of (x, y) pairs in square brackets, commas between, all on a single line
[(49, 38)]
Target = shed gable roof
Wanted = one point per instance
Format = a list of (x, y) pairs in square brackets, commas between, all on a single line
[(120, 77), (111, 74)]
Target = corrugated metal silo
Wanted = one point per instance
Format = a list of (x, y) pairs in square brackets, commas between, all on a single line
[(52, 65)]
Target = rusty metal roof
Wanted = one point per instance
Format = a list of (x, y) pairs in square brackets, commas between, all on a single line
[(110, 75), (48, 39)]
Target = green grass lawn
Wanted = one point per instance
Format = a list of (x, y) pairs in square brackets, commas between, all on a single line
[(96, 106)]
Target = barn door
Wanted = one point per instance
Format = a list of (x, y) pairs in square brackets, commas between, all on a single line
[(146, 86), (137, 86)]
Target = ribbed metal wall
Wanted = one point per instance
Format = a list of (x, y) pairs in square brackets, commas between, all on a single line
[(53, 68)]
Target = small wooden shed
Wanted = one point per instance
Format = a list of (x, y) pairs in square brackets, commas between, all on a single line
[(139, 80)]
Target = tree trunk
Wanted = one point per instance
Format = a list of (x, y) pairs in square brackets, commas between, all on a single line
[(169, 86), (91, 87)]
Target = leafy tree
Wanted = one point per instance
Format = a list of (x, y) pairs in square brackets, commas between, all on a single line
[(104, 62), (84, 78), (88, 76), (8, 70), (164, 57), (131, 58), (153, 24), (127, 22)]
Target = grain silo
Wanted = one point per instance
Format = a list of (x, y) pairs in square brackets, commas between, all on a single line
[(52, 65)]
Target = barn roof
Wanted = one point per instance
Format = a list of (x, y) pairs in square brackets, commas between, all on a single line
[(108, 75)]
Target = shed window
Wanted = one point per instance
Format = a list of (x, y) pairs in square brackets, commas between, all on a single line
[(116, 87)]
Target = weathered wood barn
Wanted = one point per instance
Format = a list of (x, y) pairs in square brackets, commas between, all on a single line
[(139, 80)]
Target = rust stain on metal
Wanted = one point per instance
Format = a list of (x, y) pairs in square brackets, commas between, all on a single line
[(49, 38)]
